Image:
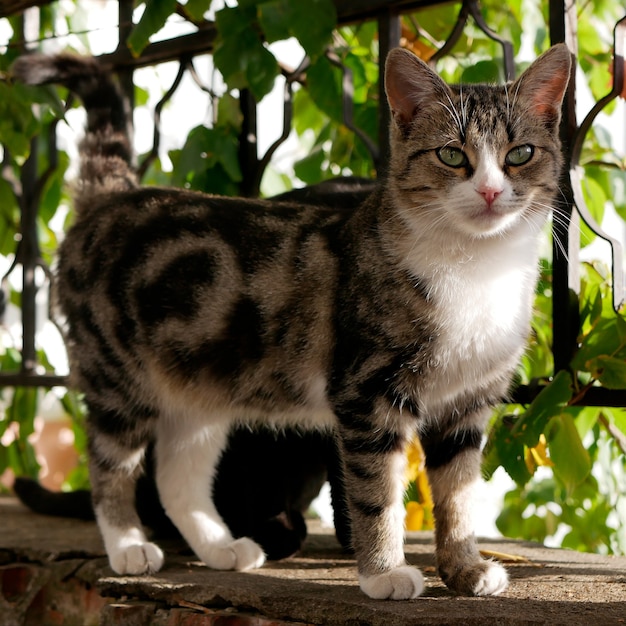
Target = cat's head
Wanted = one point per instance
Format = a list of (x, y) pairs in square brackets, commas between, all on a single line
[(476, 159)]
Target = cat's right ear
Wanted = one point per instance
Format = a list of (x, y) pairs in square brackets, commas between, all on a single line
[(410, 84)]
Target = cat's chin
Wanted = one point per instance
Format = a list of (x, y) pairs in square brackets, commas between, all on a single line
[(488, 222)]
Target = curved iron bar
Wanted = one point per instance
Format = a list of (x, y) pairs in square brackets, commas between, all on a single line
[(471, 7), (290, 79), (156, 142), (507, 46), (619, 45), (16, 185), (347, 85), (619, 286), (196, 79), (28, 255), (454, 36)]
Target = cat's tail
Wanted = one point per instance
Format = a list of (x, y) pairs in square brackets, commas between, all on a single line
[(106, 151), (74, 504)]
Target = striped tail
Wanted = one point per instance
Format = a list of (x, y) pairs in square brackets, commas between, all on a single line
[(105, 151)]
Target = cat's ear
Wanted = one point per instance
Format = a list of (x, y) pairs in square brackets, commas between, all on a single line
[(410, 84), (542, 86)]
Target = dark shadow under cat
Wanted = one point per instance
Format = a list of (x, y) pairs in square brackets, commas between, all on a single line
[(266, 478)]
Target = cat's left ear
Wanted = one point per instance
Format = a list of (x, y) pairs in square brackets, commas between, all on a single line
[(410, 85), (542, 86)]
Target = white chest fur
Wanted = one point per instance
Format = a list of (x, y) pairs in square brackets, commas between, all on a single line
[(481, 306)]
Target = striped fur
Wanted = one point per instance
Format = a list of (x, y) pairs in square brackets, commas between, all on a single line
[(187, 313)]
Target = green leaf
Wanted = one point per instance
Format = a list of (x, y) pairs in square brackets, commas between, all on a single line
[(17, 122), (594, 186), (197, 8), (309, 169), (23, 409), (142, 96), (229, 113), (153, 19), (618, 191), (571, 461), (274, 20), (204, 149), (607, 337), (192, 157), (483, 72), (511, 453), (240, 54), (9, 218), (155, 175), (324, 87), (548, 403), (617, 417), (585, 418), (311, 22), (611, 372), (215, 180)]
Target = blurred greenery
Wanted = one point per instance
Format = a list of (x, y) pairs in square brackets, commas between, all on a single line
[(567, 461)]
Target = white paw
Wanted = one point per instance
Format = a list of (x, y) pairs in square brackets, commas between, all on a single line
[(494, 580), (139, 558), (401, 583), (478, 578), (241, 554)]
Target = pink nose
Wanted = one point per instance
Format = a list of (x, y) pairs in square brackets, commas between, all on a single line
[(489, 194)]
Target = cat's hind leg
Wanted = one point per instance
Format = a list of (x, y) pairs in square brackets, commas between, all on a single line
[(187, 456), (453, 460), (114, 468)]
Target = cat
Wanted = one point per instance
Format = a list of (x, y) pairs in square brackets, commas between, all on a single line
[(187, 313), (265, 483), (265, 479)]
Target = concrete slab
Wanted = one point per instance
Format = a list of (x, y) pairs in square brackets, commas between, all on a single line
[(317, 586)]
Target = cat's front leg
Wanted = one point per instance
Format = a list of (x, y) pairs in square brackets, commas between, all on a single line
[(374, 464), (187, 457), (114, 468), (453, 460)]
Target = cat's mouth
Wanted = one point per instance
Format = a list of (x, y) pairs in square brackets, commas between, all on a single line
[(488, 220)]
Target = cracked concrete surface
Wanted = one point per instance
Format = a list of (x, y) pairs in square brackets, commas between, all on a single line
[(65, 564)]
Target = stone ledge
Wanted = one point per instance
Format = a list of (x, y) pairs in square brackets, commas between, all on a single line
[(54, 571)]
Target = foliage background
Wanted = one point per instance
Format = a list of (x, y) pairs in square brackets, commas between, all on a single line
[(567, 461)]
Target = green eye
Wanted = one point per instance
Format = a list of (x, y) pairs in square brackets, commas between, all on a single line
[(520, 155), (452, 157)]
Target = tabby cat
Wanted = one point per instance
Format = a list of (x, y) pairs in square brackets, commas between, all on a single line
[(266, 478), (188, 313)]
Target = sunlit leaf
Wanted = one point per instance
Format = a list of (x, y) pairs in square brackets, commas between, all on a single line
[(197, 8), (309, 169), (324, 87), (618, 417), (548, 403), (608, 370), (240, 54), (571, 460), (585, 419), (310, 22), (153, 19), (608, 337), (483, 72), (229, 113), (594, 186)]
